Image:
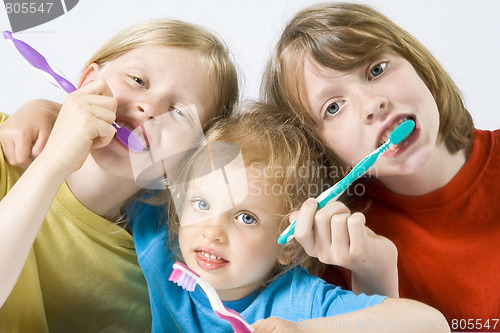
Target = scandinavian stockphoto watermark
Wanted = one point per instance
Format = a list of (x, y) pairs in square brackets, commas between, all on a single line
[(26, 14)]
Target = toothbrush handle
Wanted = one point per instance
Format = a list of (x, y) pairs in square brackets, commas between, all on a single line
[(334, 192), (237, 322), (38, 61), (238, 325)]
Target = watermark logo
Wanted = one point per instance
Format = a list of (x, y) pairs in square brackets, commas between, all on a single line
[(25, 14)]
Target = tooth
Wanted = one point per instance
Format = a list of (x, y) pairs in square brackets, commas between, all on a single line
[(213, 257)]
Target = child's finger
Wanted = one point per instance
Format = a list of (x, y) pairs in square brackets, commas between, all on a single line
[(332, 208), (40, 142), (22, 151), (357, 232), (9, 152), (97, 87), (293, 216), (104, 114), (106, 134), (103, 107), (340, 237), (9, 138), (323, 225), (100, 131), (304, 225)]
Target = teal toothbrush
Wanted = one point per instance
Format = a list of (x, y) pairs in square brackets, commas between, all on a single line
[(333, 193)]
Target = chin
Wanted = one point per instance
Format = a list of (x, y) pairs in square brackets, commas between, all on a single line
[(114, 161)]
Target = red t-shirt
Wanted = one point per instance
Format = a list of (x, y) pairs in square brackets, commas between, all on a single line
[(449, 240)]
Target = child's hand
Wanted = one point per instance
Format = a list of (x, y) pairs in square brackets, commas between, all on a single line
[(274, 324), (337, 237), (25, 133), (84, 122)]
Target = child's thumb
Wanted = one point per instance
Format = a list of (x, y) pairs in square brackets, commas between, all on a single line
[(97, 87)]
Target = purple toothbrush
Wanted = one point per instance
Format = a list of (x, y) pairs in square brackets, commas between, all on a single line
[(56, 78)]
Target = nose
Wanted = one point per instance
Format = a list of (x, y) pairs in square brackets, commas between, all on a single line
[(151, 107), (374, 105), (215, 230), (147, 109)]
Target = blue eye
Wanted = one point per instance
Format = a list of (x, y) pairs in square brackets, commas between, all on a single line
[(246, 218), (377, 70), (333, 109), (178, 112), (201, 204), (139, 81)]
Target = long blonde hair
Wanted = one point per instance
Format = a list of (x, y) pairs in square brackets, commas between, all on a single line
[(344, 36)]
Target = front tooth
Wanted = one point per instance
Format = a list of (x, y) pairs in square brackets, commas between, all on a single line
[(209, 256), (384, 139)]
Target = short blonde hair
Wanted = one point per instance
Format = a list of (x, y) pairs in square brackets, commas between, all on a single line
[(344, 36), (270, 139), (162, 32)]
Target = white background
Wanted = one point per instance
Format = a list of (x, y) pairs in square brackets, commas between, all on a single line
[(464, 35)]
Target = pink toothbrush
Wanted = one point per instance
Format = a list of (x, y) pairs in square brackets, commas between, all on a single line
[(56, 78), (187, 279)]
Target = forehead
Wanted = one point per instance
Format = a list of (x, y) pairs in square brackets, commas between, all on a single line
[(240, 187), (311, 67)]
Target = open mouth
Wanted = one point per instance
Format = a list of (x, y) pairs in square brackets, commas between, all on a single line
[(209, 261), (138, 131), (397, 150), (384, 136)]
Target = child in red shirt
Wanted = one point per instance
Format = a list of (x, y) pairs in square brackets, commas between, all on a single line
[(352, 75)]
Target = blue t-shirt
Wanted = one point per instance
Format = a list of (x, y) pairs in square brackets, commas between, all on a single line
[(294, 296)]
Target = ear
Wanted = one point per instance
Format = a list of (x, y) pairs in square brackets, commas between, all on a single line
[(89, 75), (287, 254)]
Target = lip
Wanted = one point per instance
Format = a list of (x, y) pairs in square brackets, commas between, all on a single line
[(209, 263)]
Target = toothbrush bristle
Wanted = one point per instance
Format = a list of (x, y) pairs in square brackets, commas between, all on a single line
[(175, 275), (183, 276)]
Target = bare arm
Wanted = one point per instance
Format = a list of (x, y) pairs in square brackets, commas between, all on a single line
[(392, 315), (84, 122), (24, 134)]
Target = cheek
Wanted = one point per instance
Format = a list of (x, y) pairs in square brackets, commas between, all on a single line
[(347, 147), (184, 236), (261, 252), (121, 90)]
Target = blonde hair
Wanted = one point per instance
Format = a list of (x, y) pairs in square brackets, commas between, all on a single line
[(344, 36), (172, 33), (269, 138)]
